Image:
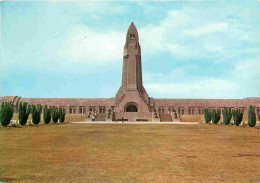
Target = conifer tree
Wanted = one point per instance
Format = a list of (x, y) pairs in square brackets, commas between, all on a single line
[(46, 114), (62, 114), (24, 112), (227, 115), (215, 116), (251, 116), (55, 114), (207, 115), (237, 116), (218, 115), (6, 114), (36, 114)]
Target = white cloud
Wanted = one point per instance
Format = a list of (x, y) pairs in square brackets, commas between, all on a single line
[(151, 76), (208, 88), (101, 7), (176, 75), (213, 48), (89, 46), (189, 34), (181, 33), (153, 37), (184, 51), (247, 70), (204, 30), (243, 80)]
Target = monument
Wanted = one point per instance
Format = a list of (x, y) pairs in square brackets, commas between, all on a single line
[(132, 101), (131, 96)]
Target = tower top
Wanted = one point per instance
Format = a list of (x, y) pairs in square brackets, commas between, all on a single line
[(132, 34)]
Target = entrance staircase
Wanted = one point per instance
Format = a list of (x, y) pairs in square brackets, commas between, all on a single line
[(166, 118), (100, 117)]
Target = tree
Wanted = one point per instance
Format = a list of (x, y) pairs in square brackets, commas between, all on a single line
[(237, 116), (207, 115), (6, 114), (215, 116), (55, 114), (259, 117), (24, 112), (46, 114), (227, 115), (62, 114), (251, 116), (36, 114)]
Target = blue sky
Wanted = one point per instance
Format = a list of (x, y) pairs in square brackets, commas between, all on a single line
[(190, 49)]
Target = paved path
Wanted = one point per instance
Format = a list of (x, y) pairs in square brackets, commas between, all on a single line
[(144, 123)]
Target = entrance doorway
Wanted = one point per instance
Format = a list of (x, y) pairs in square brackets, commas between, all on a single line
[(131, 108)]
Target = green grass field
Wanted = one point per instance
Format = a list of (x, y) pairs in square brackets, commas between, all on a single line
[(129, 153)]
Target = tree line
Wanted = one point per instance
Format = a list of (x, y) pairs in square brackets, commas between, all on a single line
[(54, 113), (237, 114)]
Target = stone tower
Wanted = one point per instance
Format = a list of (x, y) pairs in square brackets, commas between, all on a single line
[(132, 96)]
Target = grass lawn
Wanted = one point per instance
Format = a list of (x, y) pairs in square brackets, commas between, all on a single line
[(129, 153)]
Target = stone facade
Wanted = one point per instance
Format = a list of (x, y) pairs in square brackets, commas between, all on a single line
[(132, 101)]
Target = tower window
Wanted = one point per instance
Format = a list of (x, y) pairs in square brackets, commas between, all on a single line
[(132, 35)]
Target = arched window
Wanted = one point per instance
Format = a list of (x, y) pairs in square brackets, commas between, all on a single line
[(131, 108), (133, 35)]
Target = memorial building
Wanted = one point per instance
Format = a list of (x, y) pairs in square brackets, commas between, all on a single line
[(131, 101)]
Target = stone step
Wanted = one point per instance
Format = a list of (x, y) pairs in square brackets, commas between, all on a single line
[(100, 117), (166, 118)]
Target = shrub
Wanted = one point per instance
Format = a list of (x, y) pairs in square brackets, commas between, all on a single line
[(36, 114), (227, 115), (24, 112), (6, 114), (62, 114), (215, 116), (237, 116), (207, 115), (55, 114), (46, 114), (251, 116)]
